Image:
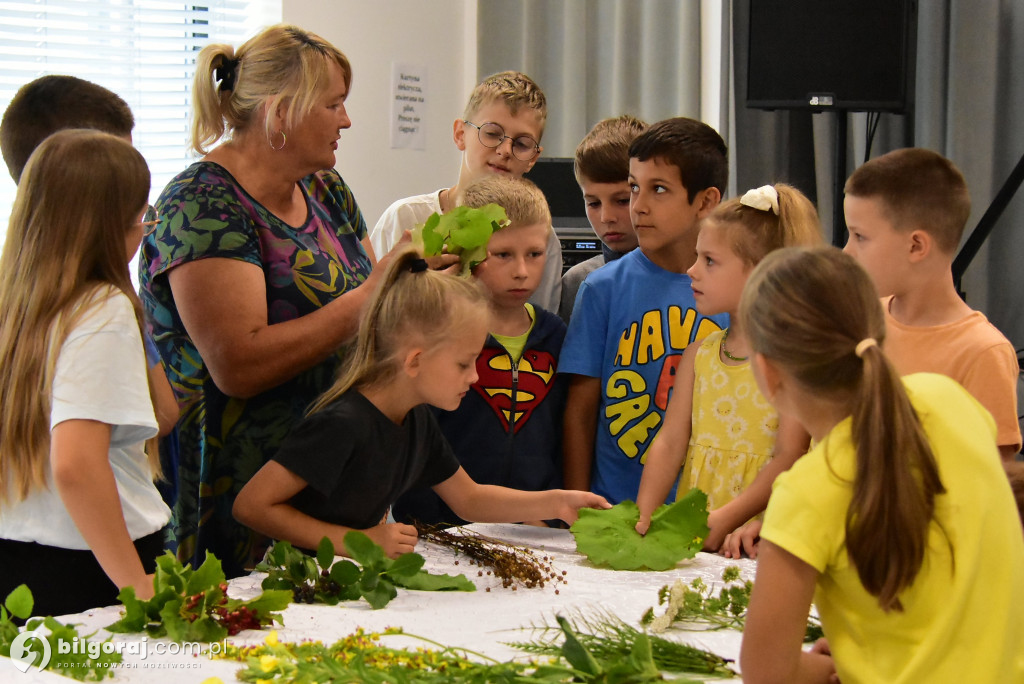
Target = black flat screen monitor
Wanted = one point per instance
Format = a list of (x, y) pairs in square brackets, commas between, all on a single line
[(555, 177)]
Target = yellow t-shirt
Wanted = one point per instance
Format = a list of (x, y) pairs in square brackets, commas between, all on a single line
[(733, 427), (963, 619), (515, 345)]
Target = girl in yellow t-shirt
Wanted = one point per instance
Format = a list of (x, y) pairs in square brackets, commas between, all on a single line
[(737, 444), (900, 522)]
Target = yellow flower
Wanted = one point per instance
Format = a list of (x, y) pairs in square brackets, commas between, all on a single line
[(271, 639), (268, 662), (213, 680)]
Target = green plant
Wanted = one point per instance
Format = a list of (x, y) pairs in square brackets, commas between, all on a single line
[(696, 606), (321, 580), (609, 639), (85, 659), (677, 531), (464, 231), (193, 605)]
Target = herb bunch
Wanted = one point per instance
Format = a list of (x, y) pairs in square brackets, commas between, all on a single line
[(696, 606), (608, 637), (361, 657), (19, 604), (514, 565), (321, 580), (193, 605)]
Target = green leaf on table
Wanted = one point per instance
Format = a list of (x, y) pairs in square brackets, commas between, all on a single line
[(677, 531), (378, 593), (575, 652), (209, 574), (424, 581), (406, 565), (19, 602)]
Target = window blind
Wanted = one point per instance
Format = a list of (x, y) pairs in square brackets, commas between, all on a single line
[(143, 50)]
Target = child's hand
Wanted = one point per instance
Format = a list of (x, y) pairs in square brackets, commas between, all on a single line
[(643, 524), (744, 540), (394, 538), (573, 500), (717, 534)]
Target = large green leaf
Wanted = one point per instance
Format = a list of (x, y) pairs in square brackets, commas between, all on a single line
[(677, 531), (464, 231)]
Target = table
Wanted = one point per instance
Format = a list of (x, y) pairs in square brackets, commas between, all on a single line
[(480, 621)]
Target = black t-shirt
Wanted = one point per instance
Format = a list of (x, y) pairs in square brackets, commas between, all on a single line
[(356, 461)]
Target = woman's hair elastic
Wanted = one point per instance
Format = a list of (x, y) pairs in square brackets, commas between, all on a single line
[(418, 265), (225, 74)]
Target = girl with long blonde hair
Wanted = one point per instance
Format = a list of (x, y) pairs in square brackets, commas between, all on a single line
[(77, 498), (372, 436), (899, 522)]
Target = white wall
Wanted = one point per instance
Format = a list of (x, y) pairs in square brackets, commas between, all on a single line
[(439, 35)]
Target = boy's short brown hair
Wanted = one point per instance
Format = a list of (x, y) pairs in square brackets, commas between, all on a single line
[(513, 88), (918, 189), (524, 203), (53, 103), (603, 154), (692, 146)]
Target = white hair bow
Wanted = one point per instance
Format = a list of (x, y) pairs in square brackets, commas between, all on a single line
[(764, 198)]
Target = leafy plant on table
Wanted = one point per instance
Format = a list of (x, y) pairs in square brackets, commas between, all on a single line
[(19, 604), (608, 537), (193, 605), (361, 657), (321, 580), (464, 231), (609, 639), (695, 606)]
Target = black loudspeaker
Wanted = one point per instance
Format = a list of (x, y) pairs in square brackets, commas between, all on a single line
[(853, 55)]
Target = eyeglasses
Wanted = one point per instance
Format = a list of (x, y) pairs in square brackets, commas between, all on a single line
[(524, 148)]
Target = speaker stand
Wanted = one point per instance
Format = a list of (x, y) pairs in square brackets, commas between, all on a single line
[(839, 180)]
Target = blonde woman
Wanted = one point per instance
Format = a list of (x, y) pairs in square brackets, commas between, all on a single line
[(80, 517), (255, 274)]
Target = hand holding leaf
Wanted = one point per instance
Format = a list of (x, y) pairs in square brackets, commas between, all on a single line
[(609, 537)]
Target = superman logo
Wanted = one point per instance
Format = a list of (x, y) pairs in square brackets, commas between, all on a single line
[(514, 400)]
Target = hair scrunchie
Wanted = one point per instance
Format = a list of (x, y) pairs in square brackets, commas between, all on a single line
[(764, 198), (418, 265), (863, 345), (225, 74)]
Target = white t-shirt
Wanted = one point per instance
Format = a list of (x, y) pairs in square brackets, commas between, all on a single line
[(409, 212), (101, 376)]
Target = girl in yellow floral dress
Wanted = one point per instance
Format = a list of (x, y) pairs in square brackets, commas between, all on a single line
[(737, 442)]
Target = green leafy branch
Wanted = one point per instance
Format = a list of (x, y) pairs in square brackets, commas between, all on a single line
[(608, 537), (87, 662), (696, 606), (609, 639), (464, 231), (193, 605), (361, 657), (321, 580)]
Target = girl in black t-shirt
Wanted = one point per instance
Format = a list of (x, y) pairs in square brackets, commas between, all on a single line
[(371, 436)]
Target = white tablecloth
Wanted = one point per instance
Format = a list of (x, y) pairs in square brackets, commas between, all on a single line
[(481, 621)]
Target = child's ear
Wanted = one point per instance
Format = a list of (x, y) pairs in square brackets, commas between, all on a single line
[(706, 201), (921, 244), (412, 362), (459, 134)]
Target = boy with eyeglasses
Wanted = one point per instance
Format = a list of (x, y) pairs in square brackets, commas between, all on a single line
[(499, 132)]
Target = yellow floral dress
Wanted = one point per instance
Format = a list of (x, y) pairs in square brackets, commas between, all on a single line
[(733, 427)]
